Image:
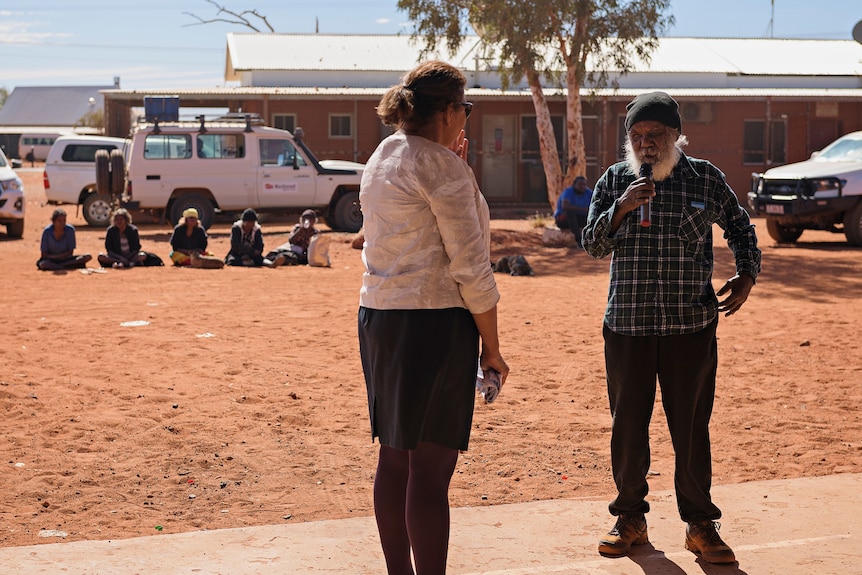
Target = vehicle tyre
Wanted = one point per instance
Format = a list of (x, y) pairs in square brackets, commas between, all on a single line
[(97, 210), (346, 216), (103, 173), (118, 173), (15, 229), (853, 225), (204, 206), (782, 234)]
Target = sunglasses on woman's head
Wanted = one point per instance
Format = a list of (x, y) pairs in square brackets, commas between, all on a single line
[(468, 107)]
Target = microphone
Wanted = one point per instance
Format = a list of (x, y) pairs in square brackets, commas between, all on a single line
[(645, 172)]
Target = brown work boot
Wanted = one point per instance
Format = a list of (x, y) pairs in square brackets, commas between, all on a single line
[(702, 538), (627, 531)]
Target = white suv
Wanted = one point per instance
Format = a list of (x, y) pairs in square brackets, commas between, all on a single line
[(70, 175), (12, 202), (231, 165)]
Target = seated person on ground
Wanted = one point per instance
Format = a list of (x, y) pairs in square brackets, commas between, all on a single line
[(246, 243), (189, 243), (296, 248), (122, 243), (58, 245), (573, 207)]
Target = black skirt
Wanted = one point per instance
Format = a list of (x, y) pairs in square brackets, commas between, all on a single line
[(420, 373)]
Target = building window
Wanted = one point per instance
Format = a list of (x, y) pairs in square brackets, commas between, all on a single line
[(764, 146), (340, 126), (533, 185), (530, 138), (284, 122)]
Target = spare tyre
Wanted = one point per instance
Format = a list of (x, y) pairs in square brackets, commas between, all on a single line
[(118, 173), (103, 173)]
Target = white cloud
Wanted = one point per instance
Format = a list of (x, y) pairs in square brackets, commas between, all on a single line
[(383, 20), (21, 32)]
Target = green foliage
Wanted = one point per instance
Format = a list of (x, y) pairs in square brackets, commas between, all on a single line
[(570, 43), (95, 119), (547, 36), (4, 93)]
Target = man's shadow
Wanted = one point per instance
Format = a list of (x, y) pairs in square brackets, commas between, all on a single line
[(654, 562)]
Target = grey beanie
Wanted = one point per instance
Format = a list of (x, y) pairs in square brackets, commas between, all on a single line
[(653, 106)]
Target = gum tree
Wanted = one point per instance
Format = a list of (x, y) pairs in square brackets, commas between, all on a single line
[(549, 40)]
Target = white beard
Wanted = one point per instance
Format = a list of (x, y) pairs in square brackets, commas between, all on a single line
[(661, 170)]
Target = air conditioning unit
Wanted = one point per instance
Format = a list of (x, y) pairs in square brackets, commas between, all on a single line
[(699, 112)]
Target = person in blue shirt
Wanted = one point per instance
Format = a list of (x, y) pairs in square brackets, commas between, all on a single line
[(572, 208), (58, 245)]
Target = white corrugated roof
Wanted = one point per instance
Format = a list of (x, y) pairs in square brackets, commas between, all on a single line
[(725, 56), (333, 52), (757, 56)]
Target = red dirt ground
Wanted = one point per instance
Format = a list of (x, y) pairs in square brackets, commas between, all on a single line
[(242, 401)]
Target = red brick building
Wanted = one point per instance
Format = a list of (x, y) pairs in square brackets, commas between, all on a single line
[(747, 104)]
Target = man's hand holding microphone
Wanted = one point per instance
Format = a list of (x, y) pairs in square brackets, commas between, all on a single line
[(637, 196)]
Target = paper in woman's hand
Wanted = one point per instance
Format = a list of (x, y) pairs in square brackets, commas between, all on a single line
[(488, 384)]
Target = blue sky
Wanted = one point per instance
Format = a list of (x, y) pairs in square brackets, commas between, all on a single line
[(153, 44)]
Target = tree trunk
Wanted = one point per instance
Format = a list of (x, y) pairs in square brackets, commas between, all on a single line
[(547, 141), (577, 160)]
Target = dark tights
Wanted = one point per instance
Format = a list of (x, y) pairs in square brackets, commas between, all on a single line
[(411, 503)]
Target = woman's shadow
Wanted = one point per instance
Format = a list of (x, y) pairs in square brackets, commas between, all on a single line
[(654, 562)]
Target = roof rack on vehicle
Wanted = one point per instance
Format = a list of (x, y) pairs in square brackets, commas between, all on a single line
[(232, 120)]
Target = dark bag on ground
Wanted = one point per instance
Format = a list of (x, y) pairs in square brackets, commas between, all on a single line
[(291, 258), (152, 260)]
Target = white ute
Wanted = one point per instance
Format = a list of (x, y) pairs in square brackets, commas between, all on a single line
[(70, 175), (232, 165), (823, 193)]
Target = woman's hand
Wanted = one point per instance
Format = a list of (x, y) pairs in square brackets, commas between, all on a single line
[(495, 362), (461, 145)]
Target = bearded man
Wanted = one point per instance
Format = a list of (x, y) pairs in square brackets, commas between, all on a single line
[(662, 315)]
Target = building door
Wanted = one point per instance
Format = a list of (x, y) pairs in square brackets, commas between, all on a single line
[(498, 157)]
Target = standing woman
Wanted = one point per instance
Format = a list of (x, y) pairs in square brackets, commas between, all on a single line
[(428, 295), (122, 243), (58, 245)]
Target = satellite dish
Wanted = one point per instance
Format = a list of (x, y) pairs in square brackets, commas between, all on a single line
[(857, 31)]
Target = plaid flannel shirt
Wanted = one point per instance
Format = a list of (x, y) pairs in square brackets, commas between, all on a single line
[(661, 275)]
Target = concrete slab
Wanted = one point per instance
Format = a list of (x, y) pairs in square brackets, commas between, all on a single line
[(804, 526)]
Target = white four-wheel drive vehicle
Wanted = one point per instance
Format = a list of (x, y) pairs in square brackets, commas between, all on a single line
[(232, 165), (12, 204), (823, 193), (70, 174)]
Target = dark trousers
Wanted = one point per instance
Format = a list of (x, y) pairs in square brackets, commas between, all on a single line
[(572, 220), (686, 368)]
